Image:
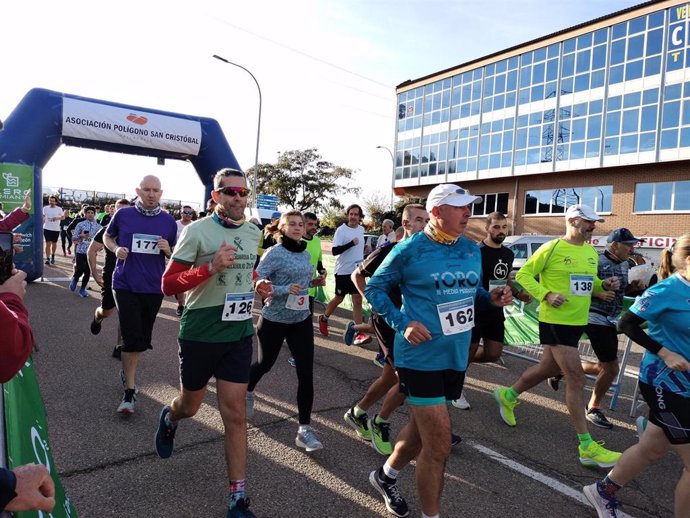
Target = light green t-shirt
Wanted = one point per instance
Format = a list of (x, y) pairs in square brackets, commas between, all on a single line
[(202, 319), (314, 249), (570, 270)]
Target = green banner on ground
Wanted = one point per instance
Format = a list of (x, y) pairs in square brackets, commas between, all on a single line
[(26, 434), (326, 293)]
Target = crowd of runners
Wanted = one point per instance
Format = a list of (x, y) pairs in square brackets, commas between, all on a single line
[(437, 301)]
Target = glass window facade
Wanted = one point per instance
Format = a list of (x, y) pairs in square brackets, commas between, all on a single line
[(557, 201), (615, 93), (662, 196), (494, 202)]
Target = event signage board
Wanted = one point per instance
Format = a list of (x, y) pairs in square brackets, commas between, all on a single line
[(92, 121)]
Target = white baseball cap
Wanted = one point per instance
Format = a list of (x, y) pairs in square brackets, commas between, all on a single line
[(450, 194), (584, 212)]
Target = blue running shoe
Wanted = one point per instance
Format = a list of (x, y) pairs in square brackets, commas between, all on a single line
[(350, 332), (241, 510), (165, 435), (83, 294), (73, 284)]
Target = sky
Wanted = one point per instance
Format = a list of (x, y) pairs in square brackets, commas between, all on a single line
[(327, 71)]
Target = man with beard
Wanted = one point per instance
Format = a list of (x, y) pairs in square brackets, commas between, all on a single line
[(497, 262), (567, 270), (213, 265)]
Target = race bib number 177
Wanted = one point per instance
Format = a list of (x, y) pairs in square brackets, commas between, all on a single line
[(145, 244)]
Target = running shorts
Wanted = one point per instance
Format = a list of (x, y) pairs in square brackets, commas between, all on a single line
[(227, 361), (668, 411), (425, 388), (559, 334)]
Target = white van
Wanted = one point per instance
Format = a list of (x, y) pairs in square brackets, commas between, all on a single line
[(643, 263)]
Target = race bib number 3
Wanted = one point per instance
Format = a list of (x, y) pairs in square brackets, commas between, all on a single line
[(238, 306), (298, 302), (581, 285), (456, 317), (145, 244)]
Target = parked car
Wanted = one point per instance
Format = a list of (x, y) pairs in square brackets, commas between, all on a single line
[(524, 246)]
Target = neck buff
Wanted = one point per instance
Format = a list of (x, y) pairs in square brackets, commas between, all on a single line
[(147, 212), (436, 234), (291, 244), (221, 217)]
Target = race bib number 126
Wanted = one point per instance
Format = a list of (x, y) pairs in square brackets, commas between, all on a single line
[(238, 306)]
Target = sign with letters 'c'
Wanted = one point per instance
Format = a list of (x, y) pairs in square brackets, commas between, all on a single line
[(27, 436)]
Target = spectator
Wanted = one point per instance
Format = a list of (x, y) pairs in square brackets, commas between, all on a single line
[(29, 487)]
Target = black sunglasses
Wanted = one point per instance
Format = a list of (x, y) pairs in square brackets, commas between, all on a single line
[(232, 191)]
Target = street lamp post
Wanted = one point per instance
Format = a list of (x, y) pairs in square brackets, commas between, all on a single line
[(392, 172), (258, 124)]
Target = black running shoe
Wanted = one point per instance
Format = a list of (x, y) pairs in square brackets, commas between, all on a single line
[(394, 501), (455, 439), (241, 510), (554, 382), (117, 352), (96, 326), (179, 311), (597, 417)]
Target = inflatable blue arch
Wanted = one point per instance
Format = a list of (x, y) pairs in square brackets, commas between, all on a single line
[(45, 119)]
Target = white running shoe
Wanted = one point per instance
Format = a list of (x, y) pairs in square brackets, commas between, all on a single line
[(461, 402)]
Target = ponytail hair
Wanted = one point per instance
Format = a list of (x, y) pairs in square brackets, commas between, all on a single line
[(674, 258)]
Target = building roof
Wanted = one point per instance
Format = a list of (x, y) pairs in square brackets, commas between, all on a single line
[(409, 82)]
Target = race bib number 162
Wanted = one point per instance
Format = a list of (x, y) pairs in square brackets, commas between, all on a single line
[(457, 316)]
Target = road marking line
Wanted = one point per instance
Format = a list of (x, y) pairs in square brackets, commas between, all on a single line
[(539, 477)]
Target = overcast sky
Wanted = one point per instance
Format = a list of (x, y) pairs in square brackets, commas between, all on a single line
[(327, 70)]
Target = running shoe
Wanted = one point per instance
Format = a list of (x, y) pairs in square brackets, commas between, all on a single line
[(241, 510), (117, 352), (249, 405), (358, 423), (596, 455), (292, 362), (48, 262), (394, 501), (597, 418), (72, 284), (165, 435), (641, 423), (307, 439), (362, 339), (380, 436), (507, 408), (380, 360), (83, 294), (455, 439), (96, 326), (554, 382), (604, 503), (123, 379), (179, 311), (350, 332), (323, 325), (52, 260), (461, 402), (127, 404)]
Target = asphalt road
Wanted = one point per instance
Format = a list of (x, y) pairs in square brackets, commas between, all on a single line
[(109, 467)]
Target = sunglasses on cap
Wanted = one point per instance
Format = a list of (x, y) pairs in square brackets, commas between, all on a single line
[(232, 191), (188, 212)]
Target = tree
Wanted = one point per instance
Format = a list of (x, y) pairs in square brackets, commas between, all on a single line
[(302, 180), (376, 206)]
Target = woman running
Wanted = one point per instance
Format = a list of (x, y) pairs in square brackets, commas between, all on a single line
[(286, 316), (664, 381)]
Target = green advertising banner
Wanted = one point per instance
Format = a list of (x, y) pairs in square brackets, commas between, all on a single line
[(15, 180), (27, 436), (326, 293)]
